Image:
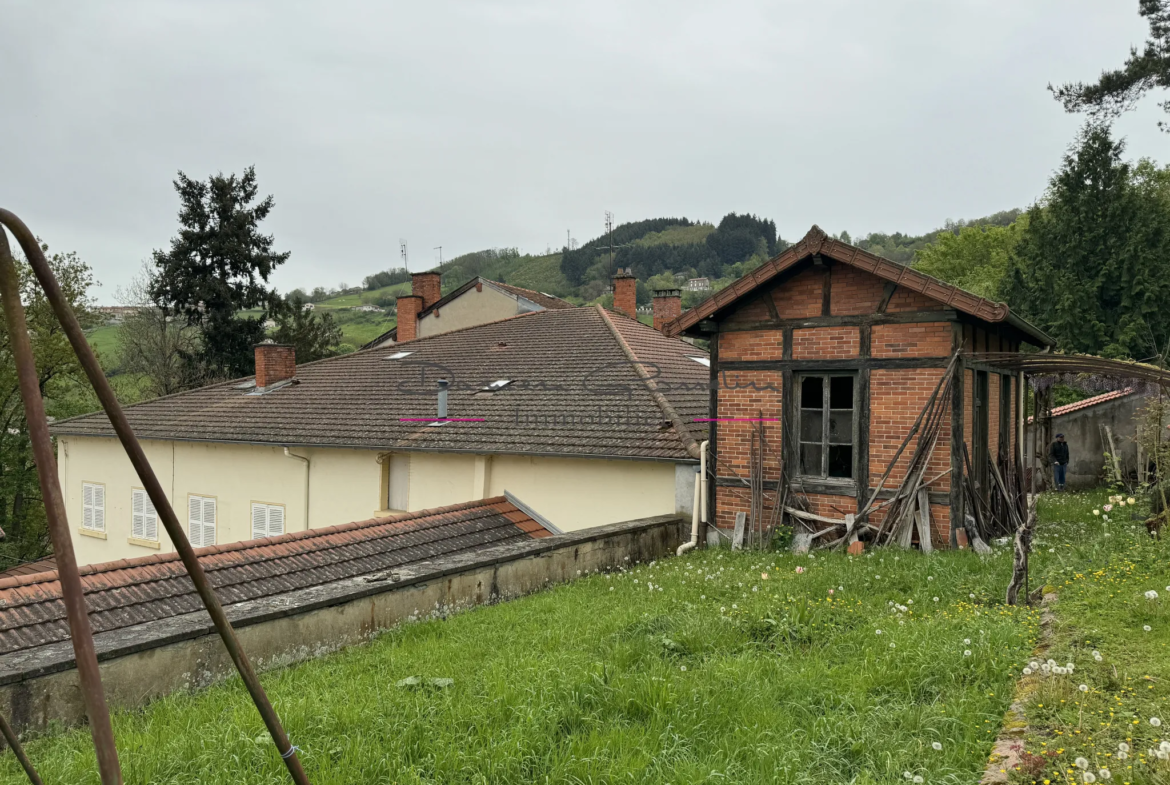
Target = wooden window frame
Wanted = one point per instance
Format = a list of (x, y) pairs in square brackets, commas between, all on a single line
[(253, 504), (845, 484)]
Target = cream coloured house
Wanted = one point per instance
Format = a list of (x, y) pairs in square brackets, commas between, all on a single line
[(423, 313), (548, 407)]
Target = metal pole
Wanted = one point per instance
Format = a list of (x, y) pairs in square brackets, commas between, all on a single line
[(154, 489), (71, 593), (14, 742)]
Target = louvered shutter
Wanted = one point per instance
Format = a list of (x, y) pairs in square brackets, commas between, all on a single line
[(150, 519), (208, 521), (86, 506), (195, 520), (99, 508), (259, 521), (275, 520), (137, 514)]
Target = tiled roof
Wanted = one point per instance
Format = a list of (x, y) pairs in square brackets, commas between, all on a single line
[(1069, 408), (30, 568), (546, 301), (816, 242), (138, 591), (572, 392)]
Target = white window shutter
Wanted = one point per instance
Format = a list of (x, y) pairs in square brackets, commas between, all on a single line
[(150, 519), (208, 521), (86, 506), (138, 514), (259, 521), (99, 507), (195, 520), (275, 520)]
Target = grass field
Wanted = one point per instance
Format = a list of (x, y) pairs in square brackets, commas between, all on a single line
[(1118, 641), (106, 341), (714, 667)]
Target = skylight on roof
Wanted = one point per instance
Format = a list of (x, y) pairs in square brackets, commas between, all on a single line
[(399, 355), (496, 385), (703, 361)]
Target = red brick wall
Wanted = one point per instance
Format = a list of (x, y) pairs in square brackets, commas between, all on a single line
[(826, 343), (744, 394), (932, 339), (428, 286), (993, 392), (274, 363), (909, 300), (854, 292), (754, 345), (409, 307), (802, 296), (896, 398)]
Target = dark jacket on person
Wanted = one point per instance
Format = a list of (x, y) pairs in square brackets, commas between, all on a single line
[(1058, 452)]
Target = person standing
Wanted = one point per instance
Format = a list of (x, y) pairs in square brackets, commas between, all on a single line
[(1058, 455)]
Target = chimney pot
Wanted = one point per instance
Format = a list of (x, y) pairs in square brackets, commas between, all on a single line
[(275, 362), (667, 306), (625, 293)]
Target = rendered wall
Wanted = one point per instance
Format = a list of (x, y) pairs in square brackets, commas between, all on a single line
[(468, 310), (348, 485)]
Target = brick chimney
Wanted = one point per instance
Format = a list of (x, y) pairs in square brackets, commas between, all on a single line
[(275, 362), (625, 293), (428, 286), (667, 306), (409, 307)]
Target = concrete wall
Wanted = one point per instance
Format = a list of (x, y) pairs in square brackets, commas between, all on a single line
[(1086, 450), (143, 663), (350, 485)]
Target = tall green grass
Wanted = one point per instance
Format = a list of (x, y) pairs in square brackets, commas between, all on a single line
[(714, 667)]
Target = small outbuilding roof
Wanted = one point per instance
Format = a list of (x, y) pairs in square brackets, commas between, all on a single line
[(1096, 400), (817, 243), (145, 590)]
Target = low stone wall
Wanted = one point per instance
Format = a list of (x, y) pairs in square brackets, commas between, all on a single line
[(140, 664)]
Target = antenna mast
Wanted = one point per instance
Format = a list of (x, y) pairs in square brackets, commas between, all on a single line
[(439, 248), (609, 231), (404, 254)]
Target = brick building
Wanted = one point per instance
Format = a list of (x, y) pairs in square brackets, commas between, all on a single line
[(842, 349)]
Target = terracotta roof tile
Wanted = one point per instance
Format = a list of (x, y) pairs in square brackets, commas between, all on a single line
[(130, 592), (1069, 408), (573, 392)]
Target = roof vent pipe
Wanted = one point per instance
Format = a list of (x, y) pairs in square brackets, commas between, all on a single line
[(443, 398)]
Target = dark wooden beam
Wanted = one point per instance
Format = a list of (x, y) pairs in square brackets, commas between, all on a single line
[(861, 414), (905, 317), (887, 293), (956, 500), (849, 364)]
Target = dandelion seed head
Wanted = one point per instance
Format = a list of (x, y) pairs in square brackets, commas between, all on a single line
[(936, 745), (1081, 763)]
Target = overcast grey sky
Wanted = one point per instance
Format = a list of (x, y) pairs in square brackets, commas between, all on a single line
[(487, 124)]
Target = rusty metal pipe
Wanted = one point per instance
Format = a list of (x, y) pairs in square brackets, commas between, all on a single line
[(72, 596), (109, 401), (14, 743)]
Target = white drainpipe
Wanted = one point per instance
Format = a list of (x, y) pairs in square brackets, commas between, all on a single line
[(699, 507), (307, 465)]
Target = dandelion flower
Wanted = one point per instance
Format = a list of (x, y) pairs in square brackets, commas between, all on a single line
[(937, 746), (917, 779), (1164, 746), (684, 667), (1097, 655), (1105, 774), (1123, 747), (879, 632), (967, 641), (1122, 755), (1027, 671), (1163, 754), (1147, 627), (1157, 723), (907, 775), (891, 645), (1151, 595), (936, 599), (1090, 776), (967, 653), (1083, 688), (1081, 763)]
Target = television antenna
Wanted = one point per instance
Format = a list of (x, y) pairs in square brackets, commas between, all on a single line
[(609, 233), (439, 248), (405, 256)]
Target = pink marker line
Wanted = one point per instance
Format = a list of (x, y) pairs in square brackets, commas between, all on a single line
[(441, 419), (736, 419)]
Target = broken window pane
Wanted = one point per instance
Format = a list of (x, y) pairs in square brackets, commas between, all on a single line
[(812, 393), (841, 460), (841, 392), (841, 427)]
